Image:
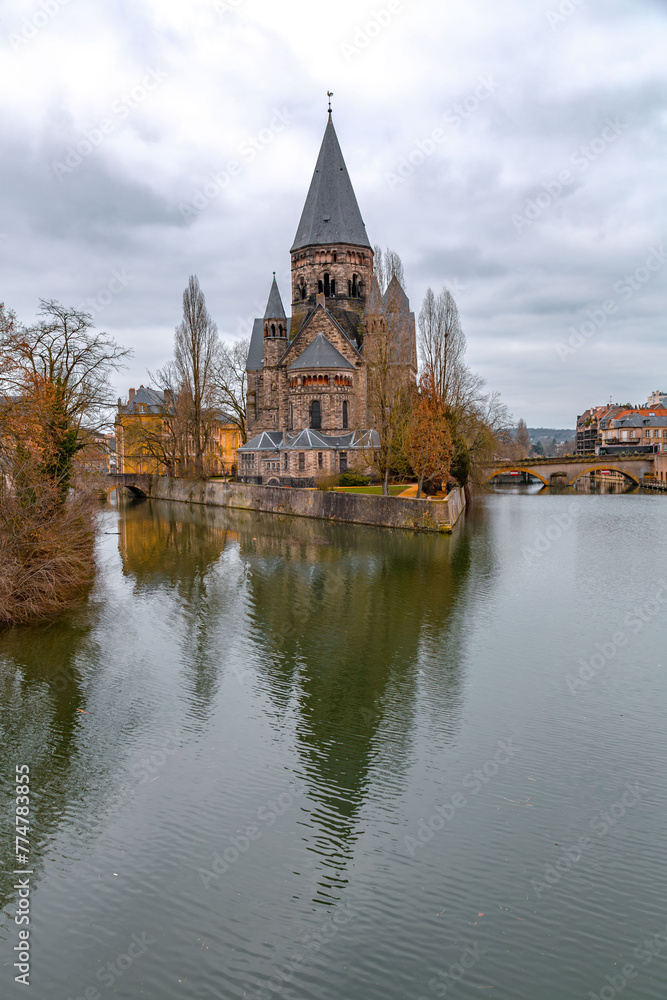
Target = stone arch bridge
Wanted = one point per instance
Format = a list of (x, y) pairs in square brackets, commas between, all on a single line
[(566, 471), (136, 483)]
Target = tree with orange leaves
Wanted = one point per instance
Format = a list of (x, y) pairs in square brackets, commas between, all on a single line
[(428, 444), (58, 375), (54, 389)]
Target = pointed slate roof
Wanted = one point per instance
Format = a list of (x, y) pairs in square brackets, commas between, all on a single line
[(331, 213), (255, 360), (274, 307), (374, 300), (320, 353), (395, 298)]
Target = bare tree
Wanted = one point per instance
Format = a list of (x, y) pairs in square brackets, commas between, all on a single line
[(387, 265), (165, 435), (522, 443), (477, 419), (60, 369), (55, 393), (389, 388), (195, 349), (230, 382), (442, 346)]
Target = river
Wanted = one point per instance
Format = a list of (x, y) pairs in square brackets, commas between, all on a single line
[(275, 757)]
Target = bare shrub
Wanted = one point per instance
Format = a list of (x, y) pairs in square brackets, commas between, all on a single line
[(47, 560)]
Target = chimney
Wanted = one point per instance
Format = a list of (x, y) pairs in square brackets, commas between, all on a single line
[(131, 396)]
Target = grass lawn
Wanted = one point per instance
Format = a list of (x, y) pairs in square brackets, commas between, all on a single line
[(394, 489)]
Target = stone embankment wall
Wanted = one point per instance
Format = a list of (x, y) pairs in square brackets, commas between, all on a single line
[(355, 508)]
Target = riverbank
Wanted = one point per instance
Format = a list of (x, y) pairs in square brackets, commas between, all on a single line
[(387, 512)]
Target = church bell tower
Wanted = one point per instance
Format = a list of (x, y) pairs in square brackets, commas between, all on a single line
[(331, 254)]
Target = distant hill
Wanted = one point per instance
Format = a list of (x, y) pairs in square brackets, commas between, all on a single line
[(560, 433)]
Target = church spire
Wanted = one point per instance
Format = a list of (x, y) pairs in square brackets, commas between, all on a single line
[(331, 213), (274, 307)]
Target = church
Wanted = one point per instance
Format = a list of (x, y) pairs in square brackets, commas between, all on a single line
[(309, 406)]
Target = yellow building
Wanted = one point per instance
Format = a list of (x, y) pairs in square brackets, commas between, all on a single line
[(149, 437)]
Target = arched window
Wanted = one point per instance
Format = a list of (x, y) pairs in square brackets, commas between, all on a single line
[(273, 329), (291, 416), (315, 414), (327, 285), (344, 413), (320, 286), (335, 256), (349, 289), (266, 330), (303, 292), (354, 286), (281, 332)]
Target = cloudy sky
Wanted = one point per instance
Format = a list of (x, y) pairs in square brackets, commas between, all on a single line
[(514, 151)]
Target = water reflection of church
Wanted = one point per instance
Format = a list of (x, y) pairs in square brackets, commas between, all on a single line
[(340, 625)]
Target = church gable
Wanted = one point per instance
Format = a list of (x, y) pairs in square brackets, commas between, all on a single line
[(322, 322)]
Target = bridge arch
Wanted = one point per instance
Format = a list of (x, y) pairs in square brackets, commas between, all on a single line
[(136, 491), (515, 468), (605, 465)]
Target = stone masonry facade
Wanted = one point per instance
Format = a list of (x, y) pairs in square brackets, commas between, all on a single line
[(309, 372)]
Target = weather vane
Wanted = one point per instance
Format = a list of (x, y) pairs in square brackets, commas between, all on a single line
[(329, 95)]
